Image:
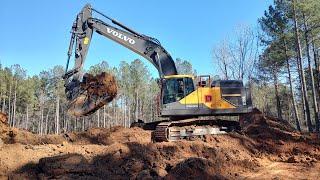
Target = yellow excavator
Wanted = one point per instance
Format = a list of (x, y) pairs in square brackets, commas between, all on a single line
[(185, 99)]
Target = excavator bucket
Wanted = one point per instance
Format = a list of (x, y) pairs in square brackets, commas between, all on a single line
[(96, 91)]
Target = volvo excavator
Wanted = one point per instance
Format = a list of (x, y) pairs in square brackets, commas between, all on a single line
[(185, 100)]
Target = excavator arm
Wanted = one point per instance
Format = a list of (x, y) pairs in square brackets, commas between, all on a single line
[(148, 47), (79, 86)]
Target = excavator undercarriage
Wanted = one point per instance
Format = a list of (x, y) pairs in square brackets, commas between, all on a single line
[(188, 129)]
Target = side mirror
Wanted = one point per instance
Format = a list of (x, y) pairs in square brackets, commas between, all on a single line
[(202, 83)]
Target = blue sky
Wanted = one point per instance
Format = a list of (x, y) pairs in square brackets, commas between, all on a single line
[(35, 33)]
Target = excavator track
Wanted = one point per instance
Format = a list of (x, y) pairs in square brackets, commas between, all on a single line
[(191, 128)]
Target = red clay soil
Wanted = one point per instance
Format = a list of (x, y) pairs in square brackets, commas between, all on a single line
[(267, 148)]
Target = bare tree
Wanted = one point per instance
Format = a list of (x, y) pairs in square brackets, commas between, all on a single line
[(104, 116), (98, 117), (14, 104), (236, 58), (243, 52), (222, 57), (57, 114)]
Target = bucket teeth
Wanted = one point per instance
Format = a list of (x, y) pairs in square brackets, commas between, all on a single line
[(94, 92)]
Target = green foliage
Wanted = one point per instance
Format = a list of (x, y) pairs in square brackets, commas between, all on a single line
[(184, 67)]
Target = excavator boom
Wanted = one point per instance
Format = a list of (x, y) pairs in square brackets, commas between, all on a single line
[(87, 93)]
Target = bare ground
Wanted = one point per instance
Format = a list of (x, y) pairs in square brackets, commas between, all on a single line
[(267, 148)]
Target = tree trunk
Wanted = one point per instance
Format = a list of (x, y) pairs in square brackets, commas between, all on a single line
[(114, 111), (27, 118), (46, 123), (129, 114), (295, 109), (65, 122), (276, 86), (98, 117), (3, 104), (137, 107), (317, 68), (313, 89), (225, 71), (57, 114), (302, 92), (124, 113), (83, 120), (151, 110), (9, 103), (14, 104), (41, 120), (108, 118), (75, 124), (117, 114), (303, 80), (104, 116)]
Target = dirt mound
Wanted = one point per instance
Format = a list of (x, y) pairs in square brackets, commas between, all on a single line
[(279, 140), (122, 153), (137, 161), (14, 135), (259, 126), (70, 163), (100, 136), (109, 136), (195, 168)]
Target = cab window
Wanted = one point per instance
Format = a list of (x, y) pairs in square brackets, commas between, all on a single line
[(175, 89)]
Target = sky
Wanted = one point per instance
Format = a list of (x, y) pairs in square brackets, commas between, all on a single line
[(36, 33)]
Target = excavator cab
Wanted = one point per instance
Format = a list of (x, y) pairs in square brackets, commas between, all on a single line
[(176, 87), (186, 96)]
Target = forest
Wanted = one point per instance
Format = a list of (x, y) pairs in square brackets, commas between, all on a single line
[(38, 103), (278, 59)]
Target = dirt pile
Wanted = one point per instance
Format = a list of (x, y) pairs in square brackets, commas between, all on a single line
[(267, 148), (11, 135), (96, 92), (277, 137), (137, 159), (258, 126), (109, 136)]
